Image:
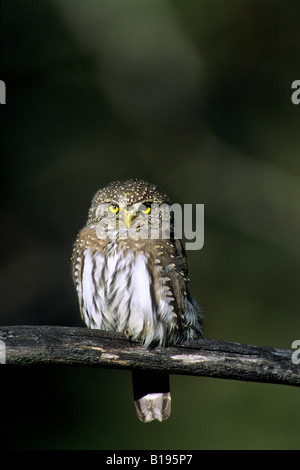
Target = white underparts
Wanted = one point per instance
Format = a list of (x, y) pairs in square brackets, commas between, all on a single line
[(116, 293)]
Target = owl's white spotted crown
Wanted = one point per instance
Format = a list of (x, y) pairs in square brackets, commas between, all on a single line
[(129, 191), (131, 208), (140, 210)]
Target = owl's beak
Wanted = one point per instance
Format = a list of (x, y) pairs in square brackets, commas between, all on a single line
[(129, 218)]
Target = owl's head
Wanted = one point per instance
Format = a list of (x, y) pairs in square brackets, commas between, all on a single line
[(127, 204)]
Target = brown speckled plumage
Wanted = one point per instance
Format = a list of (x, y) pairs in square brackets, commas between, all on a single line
[(130, 284)]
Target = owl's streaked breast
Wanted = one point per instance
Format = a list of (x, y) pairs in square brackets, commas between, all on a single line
[(117, 293)]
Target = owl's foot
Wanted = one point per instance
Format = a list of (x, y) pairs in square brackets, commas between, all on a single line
[(128, 335)]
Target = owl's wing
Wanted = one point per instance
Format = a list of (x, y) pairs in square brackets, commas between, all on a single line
[(192, 318), (189, 311), (175, 306)]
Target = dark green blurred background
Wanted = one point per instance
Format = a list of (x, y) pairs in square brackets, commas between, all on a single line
[(194, 96)]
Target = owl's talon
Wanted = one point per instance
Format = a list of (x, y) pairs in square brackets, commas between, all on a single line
[(128, 336)]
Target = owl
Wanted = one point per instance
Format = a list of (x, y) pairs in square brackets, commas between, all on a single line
[(131, 276)]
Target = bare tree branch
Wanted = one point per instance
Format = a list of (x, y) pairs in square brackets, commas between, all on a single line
[(31, 345)]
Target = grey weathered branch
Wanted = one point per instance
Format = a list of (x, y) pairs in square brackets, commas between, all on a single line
[(31, 345)]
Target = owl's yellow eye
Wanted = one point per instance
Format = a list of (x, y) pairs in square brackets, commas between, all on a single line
[(147, 210), (114, 208)]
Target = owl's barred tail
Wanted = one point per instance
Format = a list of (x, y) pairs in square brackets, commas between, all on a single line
[(153, 406), (152, 398)]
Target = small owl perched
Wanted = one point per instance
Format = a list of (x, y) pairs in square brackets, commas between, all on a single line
[(129, 281)]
